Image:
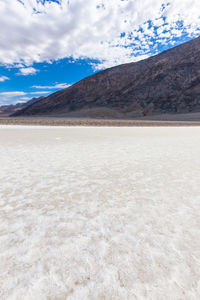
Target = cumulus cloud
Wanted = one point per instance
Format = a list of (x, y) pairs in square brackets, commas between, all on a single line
[(3, 78), (56, 86), (108, 31), (27, 71)]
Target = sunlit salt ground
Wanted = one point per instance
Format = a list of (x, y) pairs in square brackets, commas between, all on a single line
[(99, 213)]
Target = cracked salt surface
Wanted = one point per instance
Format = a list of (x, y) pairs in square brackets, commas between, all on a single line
[(99, 213)]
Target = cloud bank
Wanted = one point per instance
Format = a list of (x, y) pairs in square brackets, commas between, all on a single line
[(107, 31)]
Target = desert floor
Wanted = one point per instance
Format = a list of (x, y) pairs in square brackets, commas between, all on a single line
[(99, 213), (192, 119)]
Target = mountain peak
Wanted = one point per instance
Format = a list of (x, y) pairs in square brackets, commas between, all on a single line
[(165, 83)]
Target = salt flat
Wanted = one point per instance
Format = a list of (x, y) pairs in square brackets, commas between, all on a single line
[(99, 213)]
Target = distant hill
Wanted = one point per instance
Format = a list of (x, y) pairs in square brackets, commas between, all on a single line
[(7, 110), (166, 83)]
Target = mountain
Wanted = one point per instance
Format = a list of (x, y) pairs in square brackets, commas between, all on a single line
[(7, 110), (166, 83)]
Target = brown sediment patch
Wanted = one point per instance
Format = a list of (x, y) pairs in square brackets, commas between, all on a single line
[(44, 121)]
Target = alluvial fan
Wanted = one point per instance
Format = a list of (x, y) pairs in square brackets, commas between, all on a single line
[(99, 213)]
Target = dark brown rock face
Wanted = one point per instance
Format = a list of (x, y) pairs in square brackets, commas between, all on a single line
[(165, 83)]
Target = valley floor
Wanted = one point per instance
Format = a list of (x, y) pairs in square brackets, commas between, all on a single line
[(189, 119), (99, 213)]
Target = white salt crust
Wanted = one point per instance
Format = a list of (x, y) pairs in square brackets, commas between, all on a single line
[(99, 213)]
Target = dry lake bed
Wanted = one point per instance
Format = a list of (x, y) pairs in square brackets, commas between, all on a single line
[(99, 213)]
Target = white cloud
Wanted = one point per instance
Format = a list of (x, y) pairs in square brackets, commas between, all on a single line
[(3, 78), (40, 92), (33, 31), (25, 98), (56, 86), (10, 97), (19, 101), (20, 93), (27, 71), (16, 96), (13, 94)]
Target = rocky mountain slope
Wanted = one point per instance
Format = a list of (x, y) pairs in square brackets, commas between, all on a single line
[(6, 110), (165, 83)]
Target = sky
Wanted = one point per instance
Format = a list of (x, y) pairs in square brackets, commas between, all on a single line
[(49, 45)]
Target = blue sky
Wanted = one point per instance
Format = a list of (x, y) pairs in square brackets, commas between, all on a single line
[(50, 77), (48, 45)]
